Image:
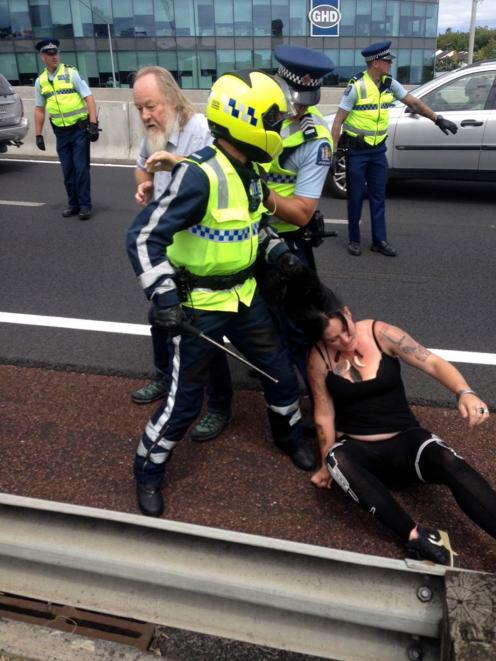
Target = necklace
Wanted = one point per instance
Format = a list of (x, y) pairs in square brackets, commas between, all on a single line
[(349, 367)]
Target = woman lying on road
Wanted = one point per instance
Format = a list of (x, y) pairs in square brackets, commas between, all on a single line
[(370, 439)]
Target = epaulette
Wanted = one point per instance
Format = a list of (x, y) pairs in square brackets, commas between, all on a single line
[(307, 125), (202, 155), (356, 77)]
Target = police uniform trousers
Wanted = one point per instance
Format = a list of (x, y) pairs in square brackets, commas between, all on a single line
[(251, 331), (366, 173), (74, 153)]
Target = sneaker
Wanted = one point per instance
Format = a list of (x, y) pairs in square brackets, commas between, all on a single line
[(84, 213), (151, 392), (210, 426), (354, 249), (433, 545), (384, 248)]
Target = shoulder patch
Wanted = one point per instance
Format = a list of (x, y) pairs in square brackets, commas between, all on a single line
[(324, 154), (348, 89), (202, 155)]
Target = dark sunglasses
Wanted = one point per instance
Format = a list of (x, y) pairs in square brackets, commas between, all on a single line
[(50, 52)]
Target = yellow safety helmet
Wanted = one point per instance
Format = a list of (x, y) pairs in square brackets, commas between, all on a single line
[(246, 108)]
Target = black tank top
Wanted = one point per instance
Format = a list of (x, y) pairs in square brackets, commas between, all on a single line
[(374, 406)]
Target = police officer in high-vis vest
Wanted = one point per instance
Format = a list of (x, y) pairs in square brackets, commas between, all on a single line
[(61, 92), (294, 182), (193, 251), (363, 117)]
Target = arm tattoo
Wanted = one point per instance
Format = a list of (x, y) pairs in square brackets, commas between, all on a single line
[(408, 346)]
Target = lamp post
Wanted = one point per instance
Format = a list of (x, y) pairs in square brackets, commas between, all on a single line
[(107, 22), (471, 36)]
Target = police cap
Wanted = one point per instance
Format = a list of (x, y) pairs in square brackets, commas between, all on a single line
[(304, 70), (47, 45), (379, 51)]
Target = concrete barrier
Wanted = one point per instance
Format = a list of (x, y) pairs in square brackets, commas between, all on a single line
[(121, 127)]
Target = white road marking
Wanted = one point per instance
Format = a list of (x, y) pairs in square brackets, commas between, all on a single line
[(474, 357), (335, 221), (16, 203)]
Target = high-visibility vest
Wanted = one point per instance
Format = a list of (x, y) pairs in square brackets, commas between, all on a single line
[(312, 126), (369, 117), (64, 104), (225, 241)]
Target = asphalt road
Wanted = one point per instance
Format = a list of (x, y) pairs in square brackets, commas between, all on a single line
[(440, 288)]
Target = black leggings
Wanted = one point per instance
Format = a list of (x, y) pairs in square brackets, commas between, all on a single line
[(366, 469)]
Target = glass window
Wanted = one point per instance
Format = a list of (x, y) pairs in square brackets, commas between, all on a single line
[(428, 66), (41, 18), (168, 60), (60, 11), (147, 58), (363, 18), (123, 18), (8, 67), (224, 18), (205, 17), (280, 18), (243, 26), (225, 61), (208, 72), (418, 21), (431, 19), (468, 93), (163, 11), (88, 67), (105, 68), (244, 59), (101, 17), (188, 70), (27, 64), (347, 66), (5, 27), (261, 18), (378, 24), (393, 18), (144, 22), (403, 65), (263, 59), (82, 22), (406, 19), (347, 25), (298, 19), (185, 18), (20, 20)]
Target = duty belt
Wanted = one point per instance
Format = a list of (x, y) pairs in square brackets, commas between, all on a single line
[(186, 281)]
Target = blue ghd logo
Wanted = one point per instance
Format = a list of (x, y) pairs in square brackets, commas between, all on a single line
[(324, 18)]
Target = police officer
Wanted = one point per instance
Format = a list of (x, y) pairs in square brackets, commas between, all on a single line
[(60, 91), (363, 117), (294, 180), (204, 233)]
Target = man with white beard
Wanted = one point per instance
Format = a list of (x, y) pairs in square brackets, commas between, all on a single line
[(171, 129), (170, 125)]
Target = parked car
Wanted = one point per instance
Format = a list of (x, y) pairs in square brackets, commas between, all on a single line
[(13, 124), (417, 149)]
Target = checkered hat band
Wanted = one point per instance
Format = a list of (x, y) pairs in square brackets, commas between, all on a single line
[(377, 56), (305, 80)]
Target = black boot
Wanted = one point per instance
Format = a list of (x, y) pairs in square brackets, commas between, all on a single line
[(150, 499), (302, 457)]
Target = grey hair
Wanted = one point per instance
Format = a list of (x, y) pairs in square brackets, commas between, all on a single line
[(171, 91)]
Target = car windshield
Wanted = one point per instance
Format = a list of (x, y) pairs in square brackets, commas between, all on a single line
[(5, 88)]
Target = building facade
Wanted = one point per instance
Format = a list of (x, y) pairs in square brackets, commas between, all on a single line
[(197, 40)]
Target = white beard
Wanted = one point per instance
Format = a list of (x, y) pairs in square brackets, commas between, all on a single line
[(156, 139)]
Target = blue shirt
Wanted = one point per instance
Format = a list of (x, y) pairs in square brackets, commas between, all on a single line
[(310, 167), (79, 85), (350, 96)]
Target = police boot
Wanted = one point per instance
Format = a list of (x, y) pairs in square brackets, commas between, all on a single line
[(290, 441), (150, 499)]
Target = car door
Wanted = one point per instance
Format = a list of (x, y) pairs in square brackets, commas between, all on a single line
[(419, 144), (487, 163), (9, 104)]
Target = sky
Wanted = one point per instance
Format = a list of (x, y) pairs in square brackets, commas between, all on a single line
[(455, 14)]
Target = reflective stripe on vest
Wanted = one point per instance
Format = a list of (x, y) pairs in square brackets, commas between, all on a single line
[(283, 181), (225, 242), (64, 105), (369, 117)]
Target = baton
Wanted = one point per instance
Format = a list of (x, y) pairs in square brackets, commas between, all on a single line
[(192, 330)]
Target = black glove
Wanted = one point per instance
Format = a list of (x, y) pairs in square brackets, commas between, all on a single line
[(446, 125), (290, 267), (93, 131), (265, 190), (168, 318), (40, 142)]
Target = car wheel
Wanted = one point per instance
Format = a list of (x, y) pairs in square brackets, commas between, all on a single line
[(336, 181)]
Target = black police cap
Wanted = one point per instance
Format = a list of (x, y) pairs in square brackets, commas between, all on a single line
[(47, 44)]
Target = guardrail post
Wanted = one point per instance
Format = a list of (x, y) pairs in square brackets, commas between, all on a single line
[(469, 631)]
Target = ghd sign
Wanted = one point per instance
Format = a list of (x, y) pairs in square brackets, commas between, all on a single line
[(324, 18)]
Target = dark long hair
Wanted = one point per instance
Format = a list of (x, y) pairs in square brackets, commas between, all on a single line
[(315, 312)]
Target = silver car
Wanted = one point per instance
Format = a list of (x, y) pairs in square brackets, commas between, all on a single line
[(417, 149), (13, 124)]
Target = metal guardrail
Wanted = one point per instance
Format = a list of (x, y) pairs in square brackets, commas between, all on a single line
[(291, 596)]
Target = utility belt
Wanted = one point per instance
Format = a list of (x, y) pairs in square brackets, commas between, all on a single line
[(347, 141), (186, 281), (312, 233), (81, 124)]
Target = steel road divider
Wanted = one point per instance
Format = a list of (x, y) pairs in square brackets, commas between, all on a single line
[(291, 596)]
